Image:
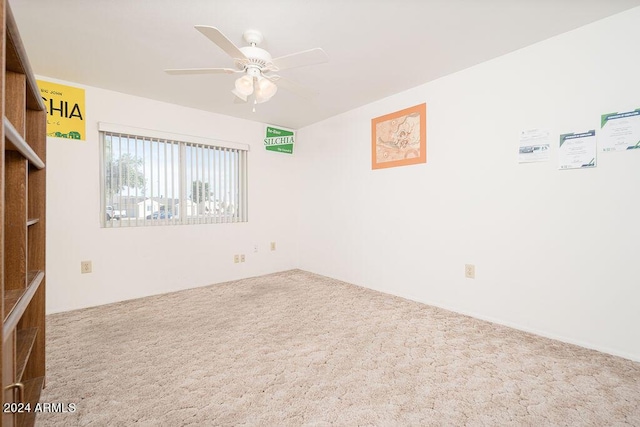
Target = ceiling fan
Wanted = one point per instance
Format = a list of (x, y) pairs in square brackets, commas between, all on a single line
[(257, 82)]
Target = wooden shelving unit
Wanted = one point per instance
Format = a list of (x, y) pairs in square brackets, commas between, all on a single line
[(22, 227)]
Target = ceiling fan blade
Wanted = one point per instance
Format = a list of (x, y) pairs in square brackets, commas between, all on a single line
[(295, 88), (301, 59), (201, 71), (213, 34)]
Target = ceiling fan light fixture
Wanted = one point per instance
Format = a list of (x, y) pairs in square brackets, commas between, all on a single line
[(267, 88), (244, 85), (239, 95), (260, 98)]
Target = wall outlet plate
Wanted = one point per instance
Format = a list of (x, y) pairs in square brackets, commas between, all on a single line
[(273, 246), (470, 271), (85, 267), (242, 258), (236, 259)]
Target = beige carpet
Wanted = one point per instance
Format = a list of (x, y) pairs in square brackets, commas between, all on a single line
[(296, 348)]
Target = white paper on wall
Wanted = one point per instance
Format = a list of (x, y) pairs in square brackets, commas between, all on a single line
[(534, 145)]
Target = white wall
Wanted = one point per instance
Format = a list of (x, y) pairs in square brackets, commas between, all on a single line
[(556, 252), (136, 262)]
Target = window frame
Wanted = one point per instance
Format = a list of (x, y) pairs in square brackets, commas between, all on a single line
[(227, 149)]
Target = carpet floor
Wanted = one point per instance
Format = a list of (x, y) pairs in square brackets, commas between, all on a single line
[(295, 348)]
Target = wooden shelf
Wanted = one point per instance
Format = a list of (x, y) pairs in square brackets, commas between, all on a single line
[(11, 297), (25, 341), (32, 390), (22, 222), (15, 141), (17, 300)]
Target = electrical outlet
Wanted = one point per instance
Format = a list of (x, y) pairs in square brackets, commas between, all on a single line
[(273, 246), (236, 259), (85, 267), (470, 271), (242, 258)]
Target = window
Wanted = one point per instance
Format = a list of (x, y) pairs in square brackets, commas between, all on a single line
[(153, 178)]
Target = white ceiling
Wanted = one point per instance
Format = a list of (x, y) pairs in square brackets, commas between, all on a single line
[(376, 47)]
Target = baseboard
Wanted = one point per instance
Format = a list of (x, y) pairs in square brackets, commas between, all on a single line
[(564, 339)]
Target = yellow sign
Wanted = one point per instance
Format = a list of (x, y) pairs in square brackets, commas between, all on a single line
[(65, 110)]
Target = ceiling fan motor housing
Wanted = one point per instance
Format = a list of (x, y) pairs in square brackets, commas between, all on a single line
[(256, 57), (253, 37)]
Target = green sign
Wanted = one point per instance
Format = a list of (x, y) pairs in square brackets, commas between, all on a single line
[(279, 139)]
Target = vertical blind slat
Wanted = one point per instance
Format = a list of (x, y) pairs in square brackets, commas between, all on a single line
[(134, 205), (210, 181), (218, 186)]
